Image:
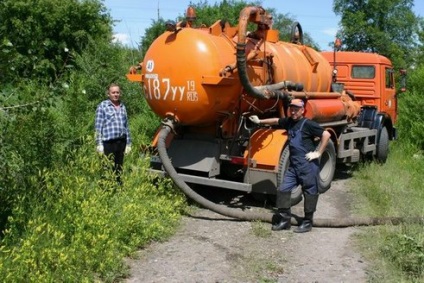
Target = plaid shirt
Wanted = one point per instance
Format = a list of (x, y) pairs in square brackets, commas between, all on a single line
[(111, 122)]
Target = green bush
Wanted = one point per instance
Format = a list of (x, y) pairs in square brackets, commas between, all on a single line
[(61, 217), (406, 251), (27, 137), (39, 39), (83, 224), (411, 103), (386, 189), (393, 189)]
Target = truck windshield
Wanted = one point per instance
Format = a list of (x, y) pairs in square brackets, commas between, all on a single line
[(363, 72)]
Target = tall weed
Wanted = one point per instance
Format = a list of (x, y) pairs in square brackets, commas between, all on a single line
[(394, 189), (411, 103), (84, 224)]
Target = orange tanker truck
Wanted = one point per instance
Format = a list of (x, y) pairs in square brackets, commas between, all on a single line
[(205, 82)]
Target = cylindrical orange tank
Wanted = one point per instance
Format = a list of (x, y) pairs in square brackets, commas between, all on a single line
[(325, 110), (181, 74), (301, 64)]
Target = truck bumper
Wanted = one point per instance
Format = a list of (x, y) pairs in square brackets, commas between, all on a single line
[(213, 182)]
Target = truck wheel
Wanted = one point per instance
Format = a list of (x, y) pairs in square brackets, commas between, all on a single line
[(382, 146), (327, 167), (296, 195)]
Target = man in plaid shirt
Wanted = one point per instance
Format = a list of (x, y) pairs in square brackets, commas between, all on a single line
[(112, 132)]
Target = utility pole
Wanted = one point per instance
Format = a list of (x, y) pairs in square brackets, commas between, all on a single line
[(158, 11)]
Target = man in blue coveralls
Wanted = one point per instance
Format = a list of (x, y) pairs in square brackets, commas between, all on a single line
[(304, 165)]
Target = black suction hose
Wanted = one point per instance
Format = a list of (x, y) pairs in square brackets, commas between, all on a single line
[(265, 217), (220, 209), (242, 71)]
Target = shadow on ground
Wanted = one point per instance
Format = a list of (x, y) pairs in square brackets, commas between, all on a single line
[(244, 200)]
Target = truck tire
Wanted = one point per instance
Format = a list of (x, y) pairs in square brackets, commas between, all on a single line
[(296, 195), (327, 167), (382, 146)]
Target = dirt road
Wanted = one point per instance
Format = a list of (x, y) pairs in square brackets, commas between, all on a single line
[(212, 248)]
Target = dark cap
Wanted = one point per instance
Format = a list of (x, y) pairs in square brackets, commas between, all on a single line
[(296, 102)]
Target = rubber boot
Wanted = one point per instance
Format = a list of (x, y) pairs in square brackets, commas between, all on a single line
[(310, 205), (282, 219)]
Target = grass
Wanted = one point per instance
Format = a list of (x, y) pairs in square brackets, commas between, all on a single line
[(78, 231), (395, 253), (82, 225), (261, 229)]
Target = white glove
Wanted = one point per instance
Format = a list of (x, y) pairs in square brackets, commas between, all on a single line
[(100, 148), (312, 155), (254, 119), (127, 149)]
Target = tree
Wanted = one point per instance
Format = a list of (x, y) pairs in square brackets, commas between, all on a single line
[(42, 99), (228, 10), (284, 24), (387, 27), (411, 122), (420, 51), (38, 37)]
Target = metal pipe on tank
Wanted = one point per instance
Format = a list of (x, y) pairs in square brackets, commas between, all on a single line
[(315, 95), (316, 81), (244, 18)]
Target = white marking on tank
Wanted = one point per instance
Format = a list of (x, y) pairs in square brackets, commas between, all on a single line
[(150, 65), (175, 89), (167, 82), (162, 89), (192, 96), (156, 89), (151, 76), (191, 85), (149, 84)]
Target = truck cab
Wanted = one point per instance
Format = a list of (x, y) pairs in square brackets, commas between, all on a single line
[(368, 77)]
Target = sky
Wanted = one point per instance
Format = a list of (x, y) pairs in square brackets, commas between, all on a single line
[(316, 17)]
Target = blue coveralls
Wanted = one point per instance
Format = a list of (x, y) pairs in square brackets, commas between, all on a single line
[(300, 171)]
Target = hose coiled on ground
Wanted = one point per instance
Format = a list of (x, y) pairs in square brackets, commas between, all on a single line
[(264, 217)]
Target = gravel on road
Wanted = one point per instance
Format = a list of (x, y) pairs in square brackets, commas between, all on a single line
[(209, 247)]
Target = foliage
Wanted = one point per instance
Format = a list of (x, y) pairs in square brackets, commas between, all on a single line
[(62, 217), (389, 28), (37, 37), (394, 253), (66, 219), (406, 252), (284, 23), (260, 229), (150, 34), (58, 231), (411, 121), (420, 52), (228, 10), (27, 137), (393, 189), (83, 223), (99, 66), (387, 193), (42, 124)]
